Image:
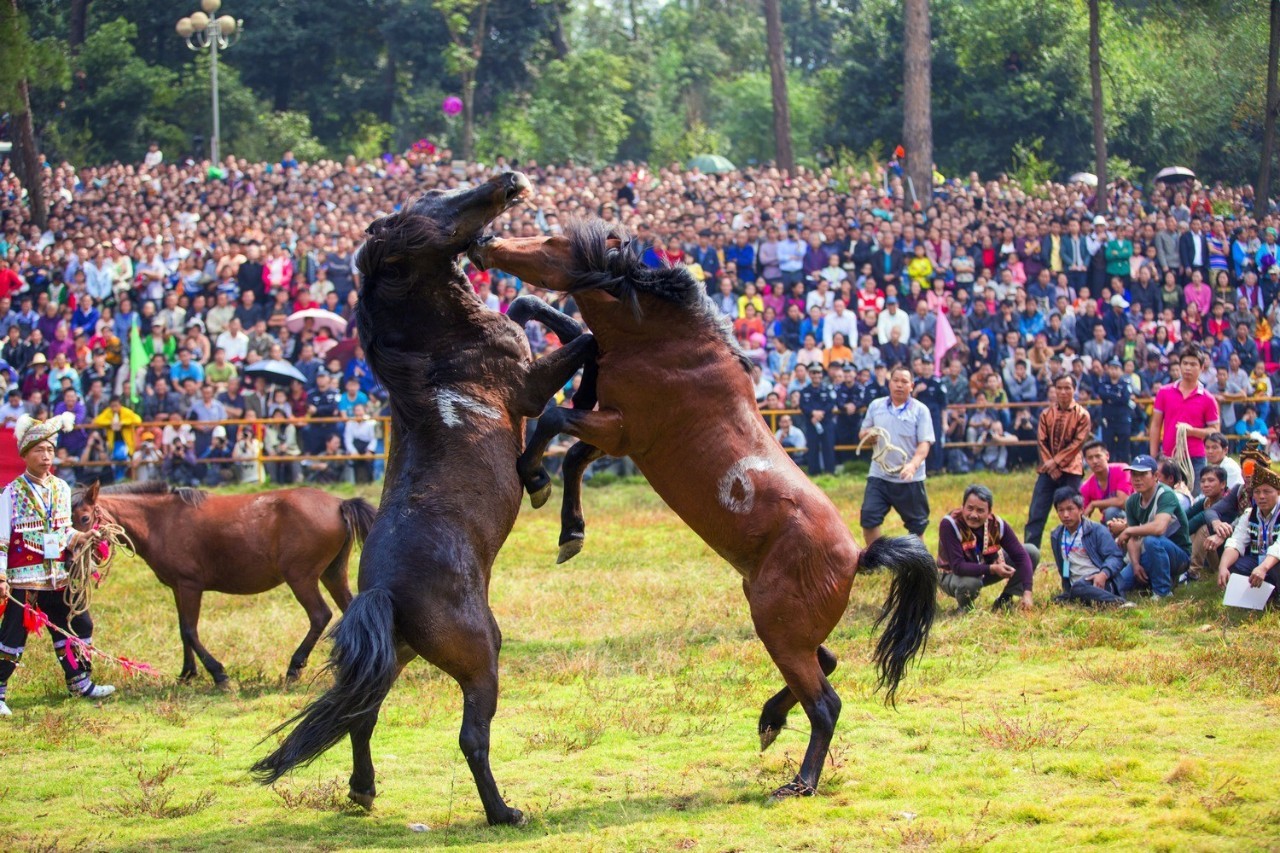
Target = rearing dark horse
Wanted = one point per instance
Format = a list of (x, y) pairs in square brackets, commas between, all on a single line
[(675, 397), (462, 380)]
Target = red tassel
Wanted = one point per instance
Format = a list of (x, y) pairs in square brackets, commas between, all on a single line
[(33, 619), (69, 652), (899, 152), (104, 550)]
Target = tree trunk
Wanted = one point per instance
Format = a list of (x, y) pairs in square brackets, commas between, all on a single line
[(1099, 127), (26, 157), (1261, 203), (79, 24), (917, 117), (555, 30), (778, 77)]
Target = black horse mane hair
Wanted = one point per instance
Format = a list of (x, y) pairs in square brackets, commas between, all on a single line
[(189, 496), (623, 274)]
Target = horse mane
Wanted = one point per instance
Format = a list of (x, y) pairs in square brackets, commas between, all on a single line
[(622, 273), (190, 497), (391, 241)]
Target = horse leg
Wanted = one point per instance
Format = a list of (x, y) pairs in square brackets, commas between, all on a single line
[(189, 613), (361, 787), (774, 715), (793, 642), (334, 578), (546, 376), (188, 655), (573, 525), (458, 634), (526, 308), (307, 592)]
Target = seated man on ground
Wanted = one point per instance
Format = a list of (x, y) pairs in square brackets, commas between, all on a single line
[(1171, 475), (1254, 546), (1088, 559), (1153, 532), (976, 548), (1108, 485), (1210, 521), (1215, 453)]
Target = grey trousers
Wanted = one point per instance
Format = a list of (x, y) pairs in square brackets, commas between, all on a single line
[(965, 589)]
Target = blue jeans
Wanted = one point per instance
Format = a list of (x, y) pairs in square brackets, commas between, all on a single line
[(1163, 561)]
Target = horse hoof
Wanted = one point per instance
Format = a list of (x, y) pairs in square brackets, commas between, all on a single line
[(794, 788), (569, 550), (539, 497), (767, 737), (292, 675), (186, 677), (361, 798), (222, 683), (513, 817)]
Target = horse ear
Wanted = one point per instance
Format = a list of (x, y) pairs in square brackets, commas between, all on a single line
[(91, 497)]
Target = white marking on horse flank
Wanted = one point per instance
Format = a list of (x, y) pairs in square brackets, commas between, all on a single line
[(737, 476), (451, 401)]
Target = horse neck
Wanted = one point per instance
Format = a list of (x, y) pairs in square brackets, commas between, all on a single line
[(141, 516)]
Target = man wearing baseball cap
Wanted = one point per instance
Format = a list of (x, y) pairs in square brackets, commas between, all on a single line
[(1154, 532)]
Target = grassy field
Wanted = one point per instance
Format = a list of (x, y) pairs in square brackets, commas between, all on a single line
[(631, 686)]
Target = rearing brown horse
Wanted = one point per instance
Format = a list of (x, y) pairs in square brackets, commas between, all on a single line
[(238, 544), (675, 397)]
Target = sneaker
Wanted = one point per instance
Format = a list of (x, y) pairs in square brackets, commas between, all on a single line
[(98, 691), (4, 709), (1127, 605)]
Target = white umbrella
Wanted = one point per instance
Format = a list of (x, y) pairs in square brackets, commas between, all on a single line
[(1175, 173), (319, 318), (275, 370), (1083, 178)]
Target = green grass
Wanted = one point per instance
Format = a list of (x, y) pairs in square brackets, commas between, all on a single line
[(631, 686)]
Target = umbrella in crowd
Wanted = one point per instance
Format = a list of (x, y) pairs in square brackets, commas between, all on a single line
[(344, 350), (712, 164), (1087, 178), (320, 319), (1175, 174), (275, 370)]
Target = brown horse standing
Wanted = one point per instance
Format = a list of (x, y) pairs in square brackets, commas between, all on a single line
[(247, 544), (675, 396)]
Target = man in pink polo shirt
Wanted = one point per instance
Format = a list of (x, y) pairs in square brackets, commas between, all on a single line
[(1184, 401), (1108, 485)]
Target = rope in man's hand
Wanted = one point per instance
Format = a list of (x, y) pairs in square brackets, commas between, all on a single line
[(881, 449), (1182, 455), (90, 564)]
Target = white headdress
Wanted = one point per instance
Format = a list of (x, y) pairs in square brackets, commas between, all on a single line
[(29, 432)]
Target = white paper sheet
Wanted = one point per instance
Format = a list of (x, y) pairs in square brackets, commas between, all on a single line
[(1240, 594)]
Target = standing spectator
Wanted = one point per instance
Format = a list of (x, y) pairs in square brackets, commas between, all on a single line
[(1116, 411), (903, 422), (976, 549), (1064, 428), (1193, 251), (1085, 554), (1184, 402), (1154, 532), (820, 405)]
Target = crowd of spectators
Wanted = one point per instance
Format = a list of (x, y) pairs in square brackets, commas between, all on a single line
[(828, 280)]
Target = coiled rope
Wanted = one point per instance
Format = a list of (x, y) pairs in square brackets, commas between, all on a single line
[(90, 564), (882, 448), (1182, 455)]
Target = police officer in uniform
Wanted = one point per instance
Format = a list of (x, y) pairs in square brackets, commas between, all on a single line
[(848, 400), (930, 391), (1116, 412), (818, 403)]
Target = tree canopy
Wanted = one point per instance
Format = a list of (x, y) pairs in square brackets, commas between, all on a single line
[(601, 80)]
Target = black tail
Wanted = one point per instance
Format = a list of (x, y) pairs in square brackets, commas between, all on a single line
[(358, 515), (909, 609), (363, 662)]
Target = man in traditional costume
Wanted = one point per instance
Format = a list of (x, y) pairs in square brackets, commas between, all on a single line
[(1253, 549), (36, 538)]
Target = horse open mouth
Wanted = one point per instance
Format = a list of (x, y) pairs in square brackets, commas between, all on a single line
[(521, 190)]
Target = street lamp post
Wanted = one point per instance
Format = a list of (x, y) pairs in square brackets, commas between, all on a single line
[(202, 30)]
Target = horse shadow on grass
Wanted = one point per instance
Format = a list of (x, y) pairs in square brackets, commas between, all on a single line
[(356, 830)]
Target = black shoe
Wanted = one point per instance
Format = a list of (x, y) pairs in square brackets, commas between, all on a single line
[(1004, 602)]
